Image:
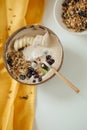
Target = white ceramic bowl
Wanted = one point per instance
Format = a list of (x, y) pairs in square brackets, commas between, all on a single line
[(57, 16)]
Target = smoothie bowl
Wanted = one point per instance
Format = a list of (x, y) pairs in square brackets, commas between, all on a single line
[(30, 53)]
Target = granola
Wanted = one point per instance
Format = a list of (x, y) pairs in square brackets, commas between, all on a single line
[(74, 14), (17, 63)]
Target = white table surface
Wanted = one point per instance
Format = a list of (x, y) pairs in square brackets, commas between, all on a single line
[(58, 107)]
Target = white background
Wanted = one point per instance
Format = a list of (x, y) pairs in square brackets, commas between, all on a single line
[(57, 106)]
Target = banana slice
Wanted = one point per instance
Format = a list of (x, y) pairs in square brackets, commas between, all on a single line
[(29, 40), (20, 43), (24, 41), (16, 45)]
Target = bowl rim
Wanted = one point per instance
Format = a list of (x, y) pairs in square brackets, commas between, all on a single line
[(11, 37), (58, 23)]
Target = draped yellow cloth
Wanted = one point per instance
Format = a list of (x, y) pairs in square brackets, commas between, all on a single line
[(16, 100)]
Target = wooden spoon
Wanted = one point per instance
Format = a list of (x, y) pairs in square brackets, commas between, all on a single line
[(66, 80)]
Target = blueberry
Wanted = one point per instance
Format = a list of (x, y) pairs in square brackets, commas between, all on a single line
[(30, 69), (22, 77), (9, 61), (34, 81), (51, 61), (64, 4), (33, 72), (82, 13), (48, 57), (29, 75), (36, 76), (44, 66), (40, 79)]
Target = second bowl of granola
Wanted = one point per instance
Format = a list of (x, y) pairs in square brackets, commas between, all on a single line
[(71, 15), (30, 53)]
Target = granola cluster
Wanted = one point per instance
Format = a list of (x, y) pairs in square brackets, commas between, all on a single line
[(17, 63), (74, 14)]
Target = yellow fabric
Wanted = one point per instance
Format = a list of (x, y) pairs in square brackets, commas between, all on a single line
[(16, 112), (34, 13)]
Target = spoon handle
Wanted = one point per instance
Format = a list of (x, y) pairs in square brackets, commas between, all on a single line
[(66, 80)]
